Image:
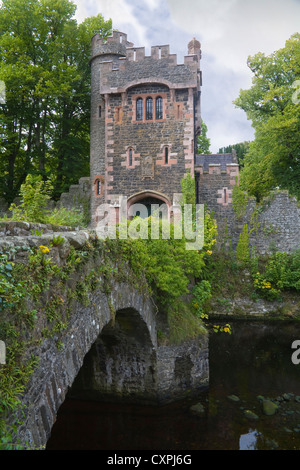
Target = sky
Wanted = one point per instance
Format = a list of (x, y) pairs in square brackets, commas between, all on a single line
[(229, 31)]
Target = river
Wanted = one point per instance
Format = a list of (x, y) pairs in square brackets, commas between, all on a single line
[(255, 361)]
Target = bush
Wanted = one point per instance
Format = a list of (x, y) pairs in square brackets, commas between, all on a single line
[(281, 272), (166, 263), (35, 194)]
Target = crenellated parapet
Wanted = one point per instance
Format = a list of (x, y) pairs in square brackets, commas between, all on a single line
[(215, 177)]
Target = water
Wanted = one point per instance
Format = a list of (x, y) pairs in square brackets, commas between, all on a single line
[(255, 360)]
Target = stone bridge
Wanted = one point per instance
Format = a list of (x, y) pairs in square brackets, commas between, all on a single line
[(109, 352)]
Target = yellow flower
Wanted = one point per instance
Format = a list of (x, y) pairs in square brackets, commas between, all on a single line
[(44, 249), (209, 252), (227, 330)]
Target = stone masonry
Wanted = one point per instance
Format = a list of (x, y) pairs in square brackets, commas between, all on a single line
[(144, 122)]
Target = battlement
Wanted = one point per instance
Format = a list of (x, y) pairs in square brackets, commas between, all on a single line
[(118, 45), (114, 45)]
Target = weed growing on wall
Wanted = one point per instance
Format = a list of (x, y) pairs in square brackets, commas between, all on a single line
[(243, 247), (239, 201)]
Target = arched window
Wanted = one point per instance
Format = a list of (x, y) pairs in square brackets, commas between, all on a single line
[(159, 108), (139, 109), (99, 185), (149, 109)]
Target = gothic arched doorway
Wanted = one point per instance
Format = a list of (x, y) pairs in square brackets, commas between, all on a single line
[(148, 203)]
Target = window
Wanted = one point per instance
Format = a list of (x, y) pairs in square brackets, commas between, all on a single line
[(99, 187), (166, 155), (149, 109), (130, 160), (139, 109), (100, 112), (159, 107)]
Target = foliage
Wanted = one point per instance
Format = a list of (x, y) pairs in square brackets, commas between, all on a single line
[(243, 248), (183, 323), (241, 149), (273, 157), (239, 201), (165, 262), (11, 292), (281, 272), (44, 62), (188, 190), (67, 217), (201, 293), (35, 194), (203, 142)]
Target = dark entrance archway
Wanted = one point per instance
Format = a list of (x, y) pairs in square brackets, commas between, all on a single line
[(146, 203)]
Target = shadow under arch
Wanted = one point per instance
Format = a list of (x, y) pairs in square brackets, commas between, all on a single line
[(121, 364), (147, 199)]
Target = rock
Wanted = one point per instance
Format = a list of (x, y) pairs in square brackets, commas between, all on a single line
[(269, 407), (197, 409), (250, 414), (297, 398), (233, 398), (77, 239)]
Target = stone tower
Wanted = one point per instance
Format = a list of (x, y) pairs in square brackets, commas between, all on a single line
[(145, 119)]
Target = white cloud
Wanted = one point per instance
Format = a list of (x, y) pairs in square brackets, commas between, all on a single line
[(233, 29), (120, 11), (229, 31)]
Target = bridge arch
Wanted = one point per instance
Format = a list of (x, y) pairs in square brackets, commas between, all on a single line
[(58, 369), (120, 324), (121, 364)]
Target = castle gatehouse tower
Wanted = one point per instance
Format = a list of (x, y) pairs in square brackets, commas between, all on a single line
[(145, 119)]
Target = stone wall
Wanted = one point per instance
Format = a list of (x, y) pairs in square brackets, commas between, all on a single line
[(78, 196), (148, 169), (273, 224)]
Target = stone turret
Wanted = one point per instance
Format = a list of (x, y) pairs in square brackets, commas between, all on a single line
[(194, 47), (114, 45), (104, 53)]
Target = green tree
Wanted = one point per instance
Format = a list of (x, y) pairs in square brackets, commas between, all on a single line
[(44, 62), (203, 142), (241, 149), (273, 159)]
